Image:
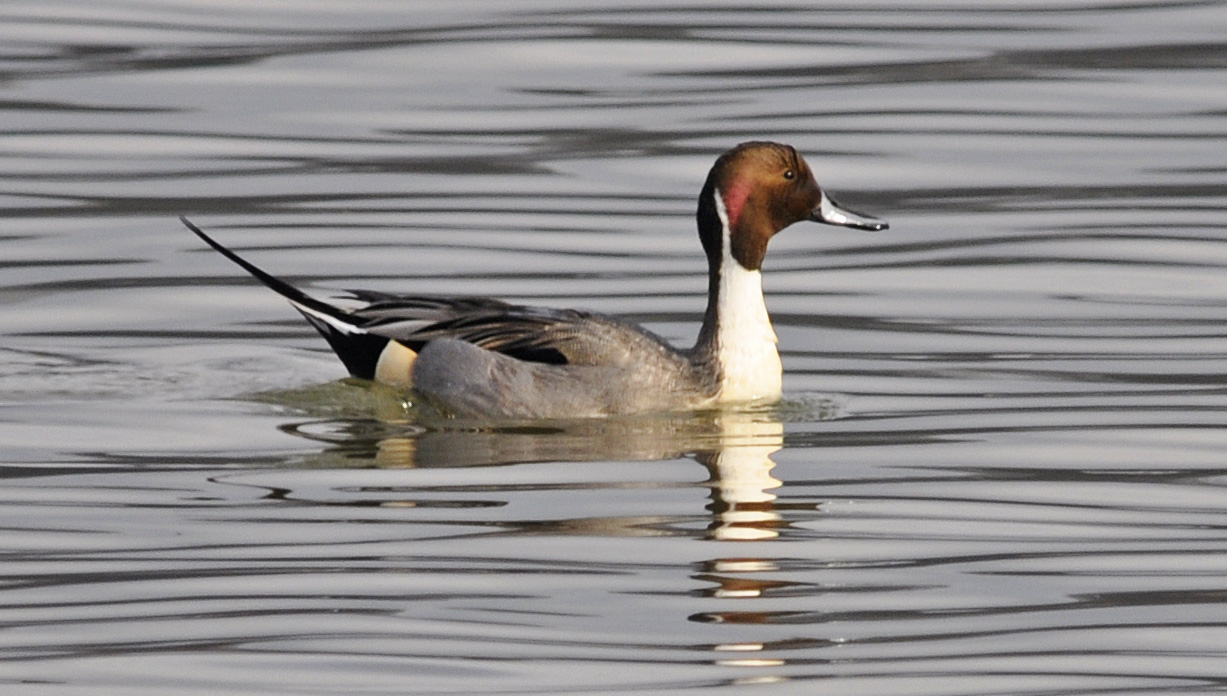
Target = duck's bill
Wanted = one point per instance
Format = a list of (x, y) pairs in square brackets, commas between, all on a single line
[(829, 212)]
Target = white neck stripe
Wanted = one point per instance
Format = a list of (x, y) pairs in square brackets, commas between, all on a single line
[(726, 236), (723, 213)]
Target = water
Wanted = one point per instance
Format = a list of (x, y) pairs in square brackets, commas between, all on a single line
[(1000, 464)]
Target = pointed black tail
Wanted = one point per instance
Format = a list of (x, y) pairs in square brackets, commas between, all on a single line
[(355, 347), (278, 285)]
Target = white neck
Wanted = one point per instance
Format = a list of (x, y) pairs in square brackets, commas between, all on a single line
[(745, 340)]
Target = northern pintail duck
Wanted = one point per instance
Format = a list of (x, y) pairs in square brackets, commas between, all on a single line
[(484, 358)]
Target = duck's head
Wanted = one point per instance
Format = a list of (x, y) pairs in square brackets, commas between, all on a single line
[(754, 191)]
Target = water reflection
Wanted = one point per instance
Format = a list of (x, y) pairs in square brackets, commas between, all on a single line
[(735, 446), (742, 506)]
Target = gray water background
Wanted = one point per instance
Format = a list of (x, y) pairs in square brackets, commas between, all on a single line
[(999, 468)]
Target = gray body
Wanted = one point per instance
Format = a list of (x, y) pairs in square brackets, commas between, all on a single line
[(478, 357), (474, 382)]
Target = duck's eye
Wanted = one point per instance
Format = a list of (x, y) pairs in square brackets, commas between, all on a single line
[(790, 174)]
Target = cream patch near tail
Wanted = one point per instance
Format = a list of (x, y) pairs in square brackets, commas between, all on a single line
[(395, 366)]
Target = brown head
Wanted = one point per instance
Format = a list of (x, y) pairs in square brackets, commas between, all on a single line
[(754, 191)]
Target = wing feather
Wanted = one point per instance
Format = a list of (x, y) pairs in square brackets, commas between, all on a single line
[(539, 334)]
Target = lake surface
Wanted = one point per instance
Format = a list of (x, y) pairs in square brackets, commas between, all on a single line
[(1001, 463)]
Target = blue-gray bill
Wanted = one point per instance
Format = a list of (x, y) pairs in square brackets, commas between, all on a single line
[(830, 213)]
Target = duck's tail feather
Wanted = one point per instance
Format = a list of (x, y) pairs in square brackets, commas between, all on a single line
[(359, 350), (289, 292), (356, 347)]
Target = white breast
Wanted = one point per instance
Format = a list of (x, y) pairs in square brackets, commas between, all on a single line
[(746, 341)]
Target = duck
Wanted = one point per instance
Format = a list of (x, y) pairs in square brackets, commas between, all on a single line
[(484, 358)]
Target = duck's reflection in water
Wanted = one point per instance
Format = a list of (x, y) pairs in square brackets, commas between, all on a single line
[(735, 446), (742, 507)]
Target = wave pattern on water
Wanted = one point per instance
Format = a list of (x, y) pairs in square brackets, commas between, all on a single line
[(998, 468)]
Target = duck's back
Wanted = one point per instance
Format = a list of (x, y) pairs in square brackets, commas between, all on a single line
[(536, 334), (603, 366)]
